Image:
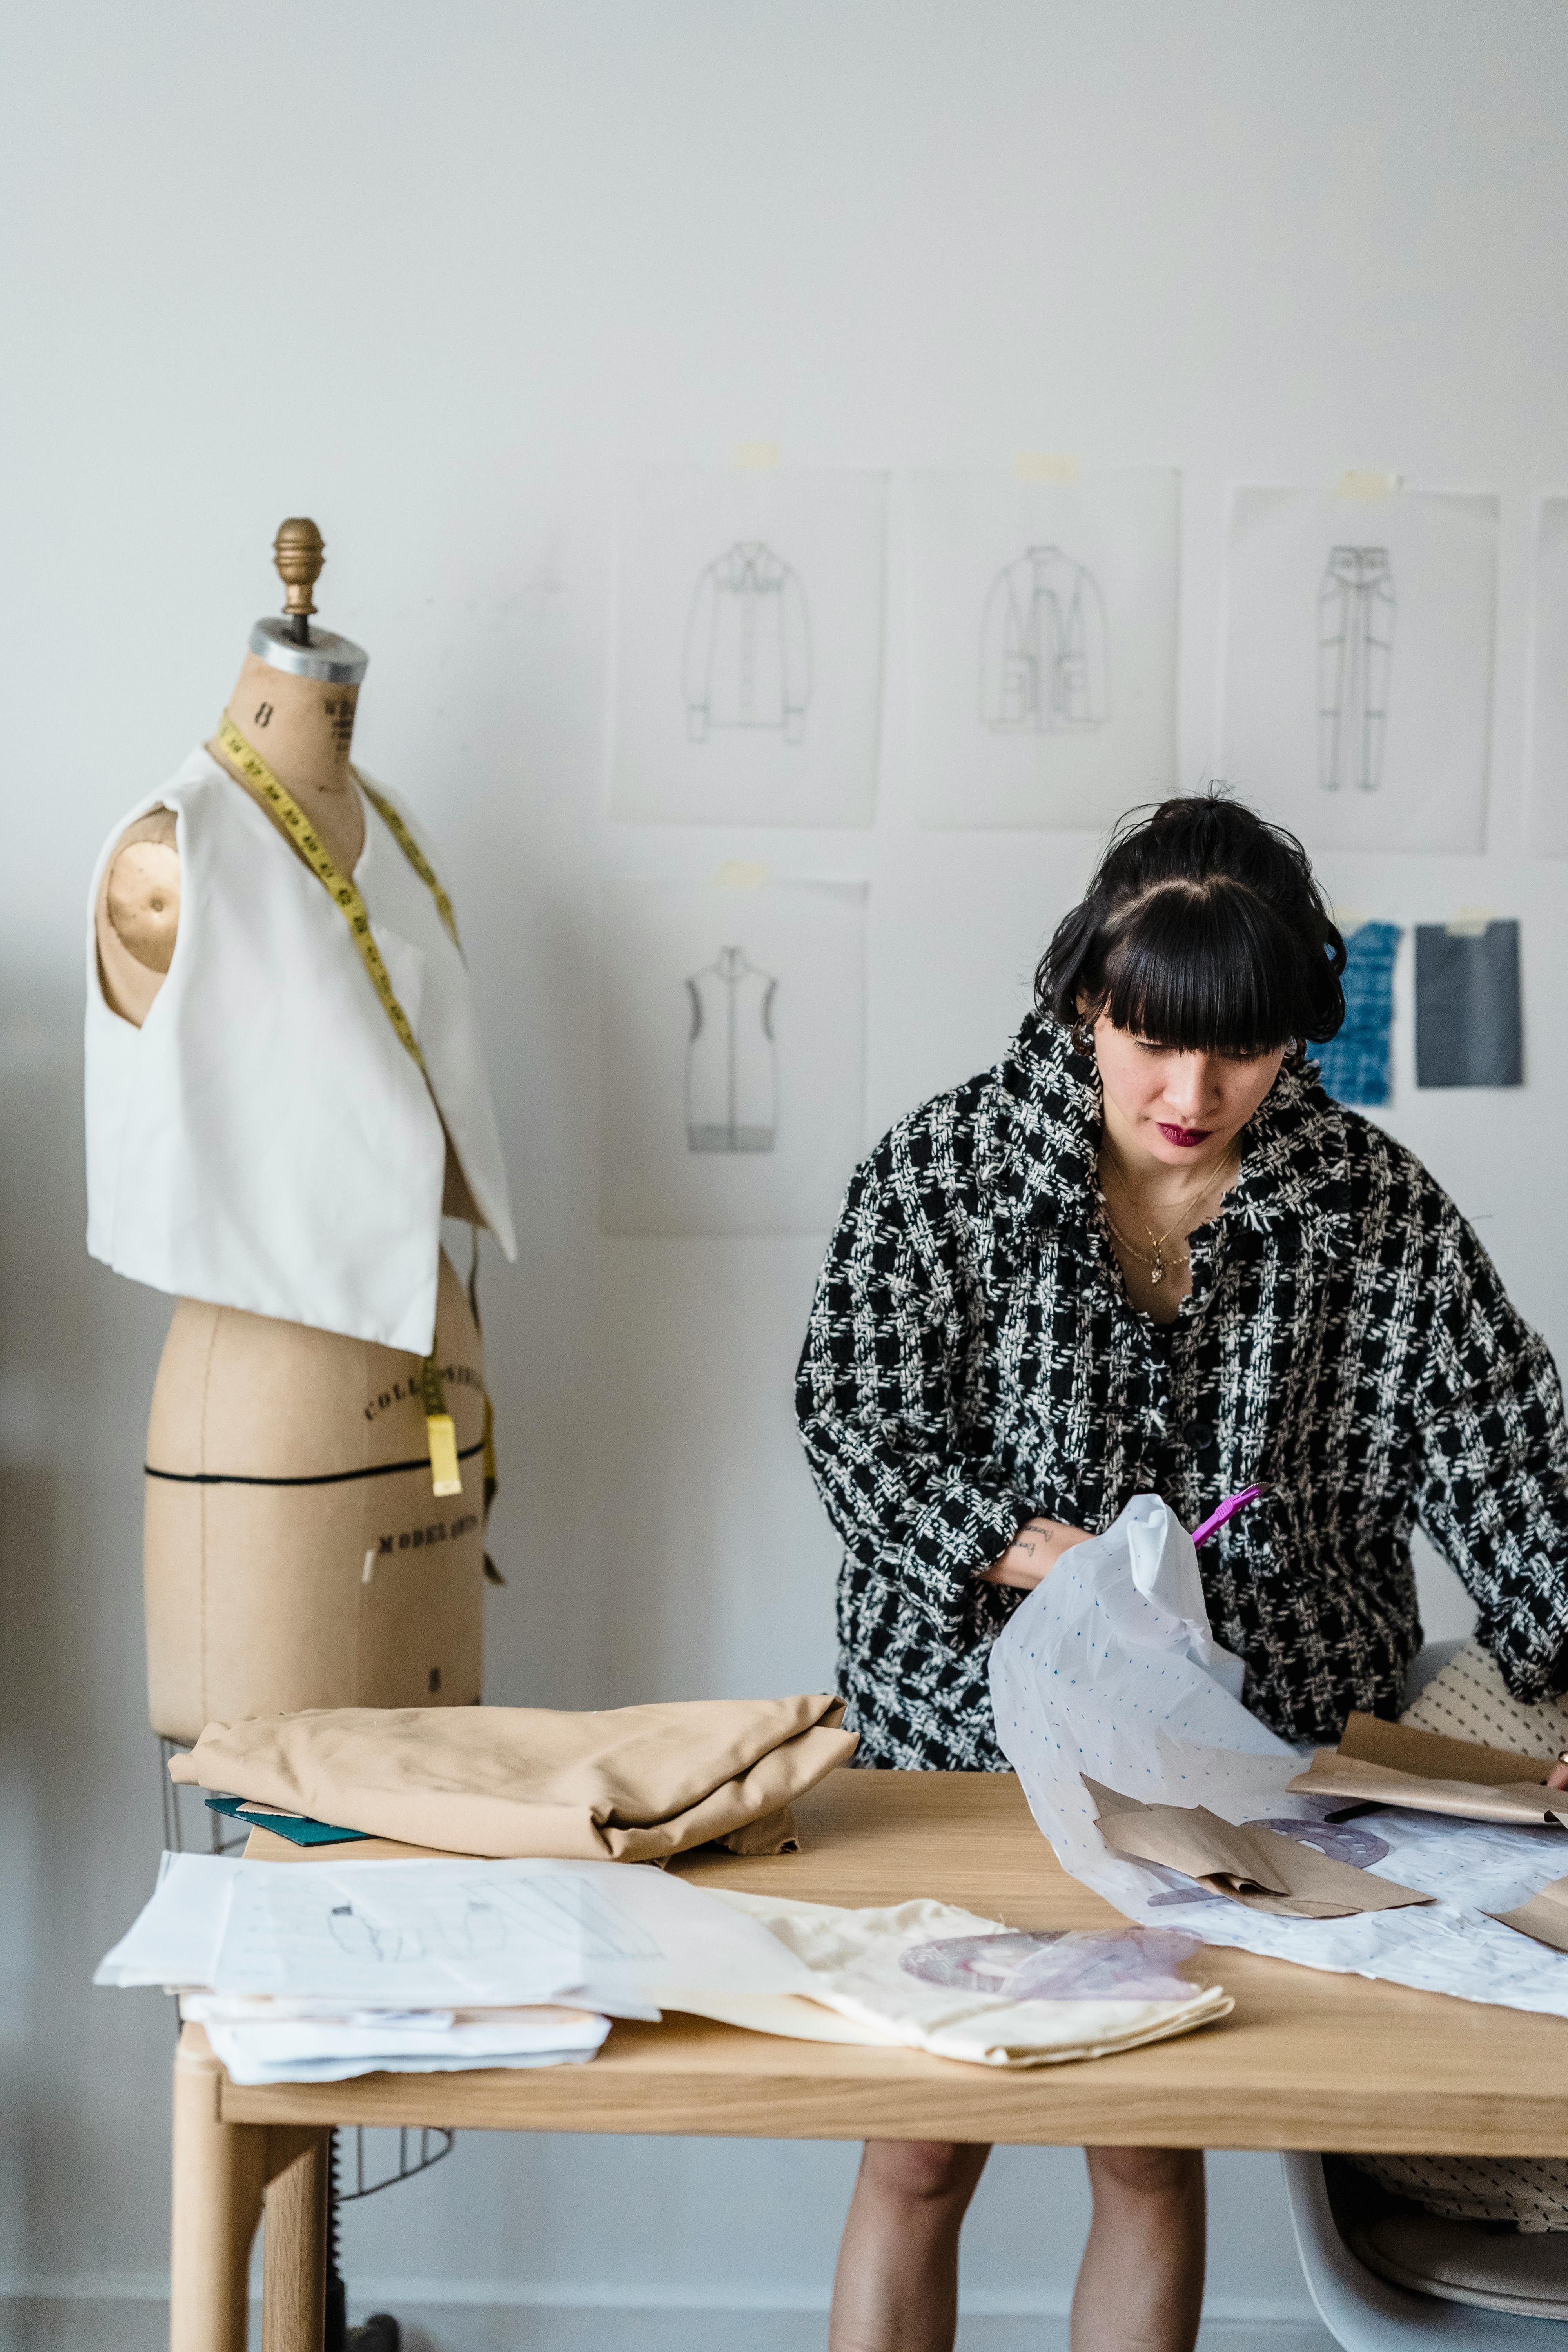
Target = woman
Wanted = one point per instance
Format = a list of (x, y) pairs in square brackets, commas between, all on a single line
[(1147, 1253)]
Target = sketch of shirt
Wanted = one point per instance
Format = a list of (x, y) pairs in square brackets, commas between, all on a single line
[(731, 1083), (747, 661), (1043, 663), (1355, 642)]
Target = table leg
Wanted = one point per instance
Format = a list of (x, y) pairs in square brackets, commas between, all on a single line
[(294, 2244), (219, 2170)]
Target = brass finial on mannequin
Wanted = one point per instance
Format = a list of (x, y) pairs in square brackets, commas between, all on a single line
[(291, 643), (298, 551)]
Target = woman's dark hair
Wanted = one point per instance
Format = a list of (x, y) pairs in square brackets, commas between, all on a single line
[(1203, 929)]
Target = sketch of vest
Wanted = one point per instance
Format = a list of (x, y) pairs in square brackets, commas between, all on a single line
[(1355, 647), (747, 659), (731, 1081), (1043, 657)]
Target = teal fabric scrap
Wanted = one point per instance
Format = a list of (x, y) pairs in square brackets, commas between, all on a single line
[(1353, 1065), (292, 1826)]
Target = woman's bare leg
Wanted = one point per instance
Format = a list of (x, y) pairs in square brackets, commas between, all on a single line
[(896, 2288), (1141, 2282)]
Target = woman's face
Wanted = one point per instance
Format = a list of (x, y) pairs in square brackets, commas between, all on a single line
[(1181, 1109)]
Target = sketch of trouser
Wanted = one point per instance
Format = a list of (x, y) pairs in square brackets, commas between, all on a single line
[(747, 659), (731, 1083), (1042, 646), (1355, 642)]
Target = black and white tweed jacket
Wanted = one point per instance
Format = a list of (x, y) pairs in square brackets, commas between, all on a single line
[(973, 1359)]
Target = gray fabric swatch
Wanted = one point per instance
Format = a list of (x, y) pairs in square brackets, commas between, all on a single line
[(1468, 1025)]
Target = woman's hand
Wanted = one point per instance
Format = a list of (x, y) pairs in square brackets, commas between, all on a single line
[(1034, 1552), (1558, 1776)]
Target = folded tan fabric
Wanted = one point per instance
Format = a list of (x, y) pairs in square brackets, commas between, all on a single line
[(1260, 1868), (632, 1784)]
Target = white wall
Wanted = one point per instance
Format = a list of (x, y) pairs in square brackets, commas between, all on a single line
[(428, 273)]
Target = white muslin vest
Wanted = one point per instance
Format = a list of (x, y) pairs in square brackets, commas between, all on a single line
[(264, 1140)]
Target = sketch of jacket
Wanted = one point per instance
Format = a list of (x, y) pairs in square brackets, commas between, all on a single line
[(731, 1082), (747, 661), (1043, 659), (1355, 645)]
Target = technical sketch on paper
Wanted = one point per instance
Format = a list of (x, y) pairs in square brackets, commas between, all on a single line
[(732, 1070), (1357, 669), (747, 656), (1041, 645), (565, 1915), (749, 620), (1043, 659), (1355, 651), (732, 1053)]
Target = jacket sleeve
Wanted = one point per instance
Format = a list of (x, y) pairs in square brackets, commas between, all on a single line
[(878, 1397), (1493, 1488), (796, 652)]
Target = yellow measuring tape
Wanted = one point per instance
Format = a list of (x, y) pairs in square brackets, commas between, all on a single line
[(441, 1431)]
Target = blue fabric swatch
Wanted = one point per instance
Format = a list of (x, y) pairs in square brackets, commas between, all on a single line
[(1469, 1031), (1354, 1064), (291, 1826)]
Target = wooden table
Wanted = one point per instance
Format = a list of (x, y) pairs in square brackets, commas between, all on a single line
[(1306, 2061)]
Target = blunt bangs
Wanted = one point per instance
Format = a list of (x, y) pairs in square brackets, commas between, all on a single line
[(1203, 931), (1203, 969)]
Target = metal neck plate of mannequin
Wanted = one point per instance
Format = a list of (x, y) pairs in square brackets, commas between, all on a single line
[(335, 660)]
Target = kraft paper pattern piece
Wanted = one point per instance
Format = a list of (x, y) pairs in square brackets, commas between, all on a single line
[(1390, 1764), (1544, 1917), (1261, 1868)]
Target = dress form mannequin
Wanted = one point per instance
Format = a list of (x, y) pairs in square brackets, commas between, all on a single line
[(295, 1553)]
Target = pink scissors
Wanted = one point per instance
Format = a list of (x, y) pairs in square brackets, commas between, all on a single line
[(1226, 1510)]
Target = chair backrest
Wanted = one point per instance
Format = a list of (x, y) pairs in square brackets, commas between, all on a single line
[(1365, 2314)]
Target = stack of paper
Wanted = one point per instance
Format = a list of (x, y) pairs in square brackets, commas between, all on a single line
[(313, 1973), (317, 1973)]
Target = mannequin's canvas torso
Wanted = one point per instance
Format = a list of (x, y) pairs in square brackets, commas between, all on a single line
[(295, 1554)]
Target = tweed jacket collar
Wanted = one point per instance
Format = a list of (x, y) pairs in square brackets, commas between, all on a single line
[(1293, 1193)]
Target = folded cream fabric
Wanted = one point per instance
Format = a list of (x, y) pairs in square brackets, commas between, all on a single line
[(632, 1784), (869, 1993), (1261, 1868)]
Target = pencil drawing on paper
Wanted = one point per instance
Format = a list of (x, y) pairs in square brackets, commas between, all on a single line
[(731, 1077), (1355, 650), (747, 655), (1044, 665), (564, 1912)]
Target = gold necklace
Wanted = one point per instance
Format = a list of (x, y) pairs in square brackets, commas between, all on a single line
[(1159, 1265), (1157, 1272)]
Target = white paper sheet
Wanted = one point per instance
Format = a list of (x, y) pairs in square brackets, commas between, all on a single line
[(733, 1054), (414, 1935), (1094, 1674), (1358, 664), (322, 2050), (1042, 646), (748, 646), (1548, 825)]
